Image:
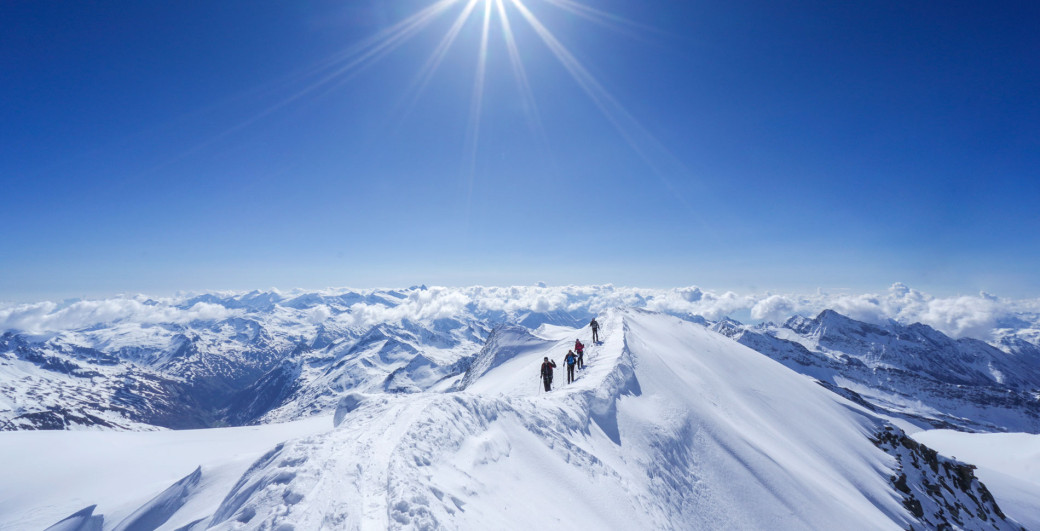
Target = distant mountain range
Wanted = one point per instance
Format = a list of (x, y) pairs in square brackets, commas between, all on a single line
[(913, 372), (271, 357)]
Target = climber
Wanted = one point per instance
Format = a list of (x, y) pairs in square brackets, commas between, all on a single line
[(595, 330), (547, 373), (571, 359), (579, 349)]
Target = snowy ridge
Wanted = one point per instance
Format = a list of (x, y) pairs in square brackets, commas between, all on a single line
[(504, 343), (670, 426), (159, 509)]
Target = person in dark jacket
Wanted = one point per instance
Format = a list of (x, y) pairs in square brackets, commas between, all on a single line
[(579, 349), (595, 330), (547, 373), (571, 360)]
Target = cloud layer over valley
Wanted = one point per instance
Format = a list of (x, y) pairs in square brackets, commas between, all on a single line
[(961, 316)]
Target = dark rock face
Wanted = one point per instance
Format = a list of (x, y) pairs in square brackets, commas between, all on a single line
[(265, 394), (58, 418), (940, 493)]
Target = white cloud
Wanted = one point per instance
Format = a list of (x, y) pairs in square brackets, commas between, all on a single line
[(318, 314), (693, 300), (50, 317), (202, 311), (960, 316), (974, 316), (429, 304), (963, 316), (776, 308)]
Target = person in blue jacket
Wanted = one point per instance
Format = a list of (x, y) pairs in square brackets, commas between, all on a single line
[(571, 360)]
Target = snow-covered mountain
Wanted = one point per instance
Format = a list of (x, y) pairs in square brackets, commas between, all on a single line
[(429, 413), (670, 426), (910, 371)]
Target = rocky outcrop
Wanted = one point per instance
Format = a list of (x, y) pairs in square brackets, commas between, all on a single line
[(940, 493)]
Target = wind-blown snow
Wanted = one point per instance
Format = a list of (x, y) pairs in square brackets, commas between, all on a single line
[(48, 475)]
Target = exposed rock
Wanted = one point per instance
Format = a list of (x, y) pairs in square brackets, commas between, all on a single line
[(940, 492)]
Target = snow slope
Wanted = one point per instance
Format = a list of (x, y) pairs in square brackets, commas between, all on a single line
[(671, 426), (47, 475)]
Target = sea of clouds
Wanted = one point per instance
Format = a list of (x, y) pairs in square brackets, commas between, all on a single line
[(961, 316)]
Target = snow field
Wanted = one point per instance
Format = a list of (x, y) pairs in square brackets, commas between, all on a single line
[(758, 445)]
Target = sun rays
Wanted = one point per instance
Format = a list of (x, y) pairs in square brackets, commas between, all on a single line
[(326, 77), (347, 64)]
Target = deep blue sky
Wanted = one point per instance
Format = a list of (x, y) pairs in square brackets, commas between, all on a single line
[(165, 145)]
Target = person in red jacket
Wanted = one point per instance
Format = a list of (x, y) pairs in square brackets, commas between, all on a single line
[(547, 373), (579, 349)]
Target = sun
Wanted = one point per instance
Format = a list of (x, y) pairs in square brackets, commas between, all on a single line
[(498, 17), (507, 13)]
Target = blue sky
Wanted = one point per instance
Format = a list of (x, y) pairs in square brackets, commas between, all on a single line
[(159, 146)]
